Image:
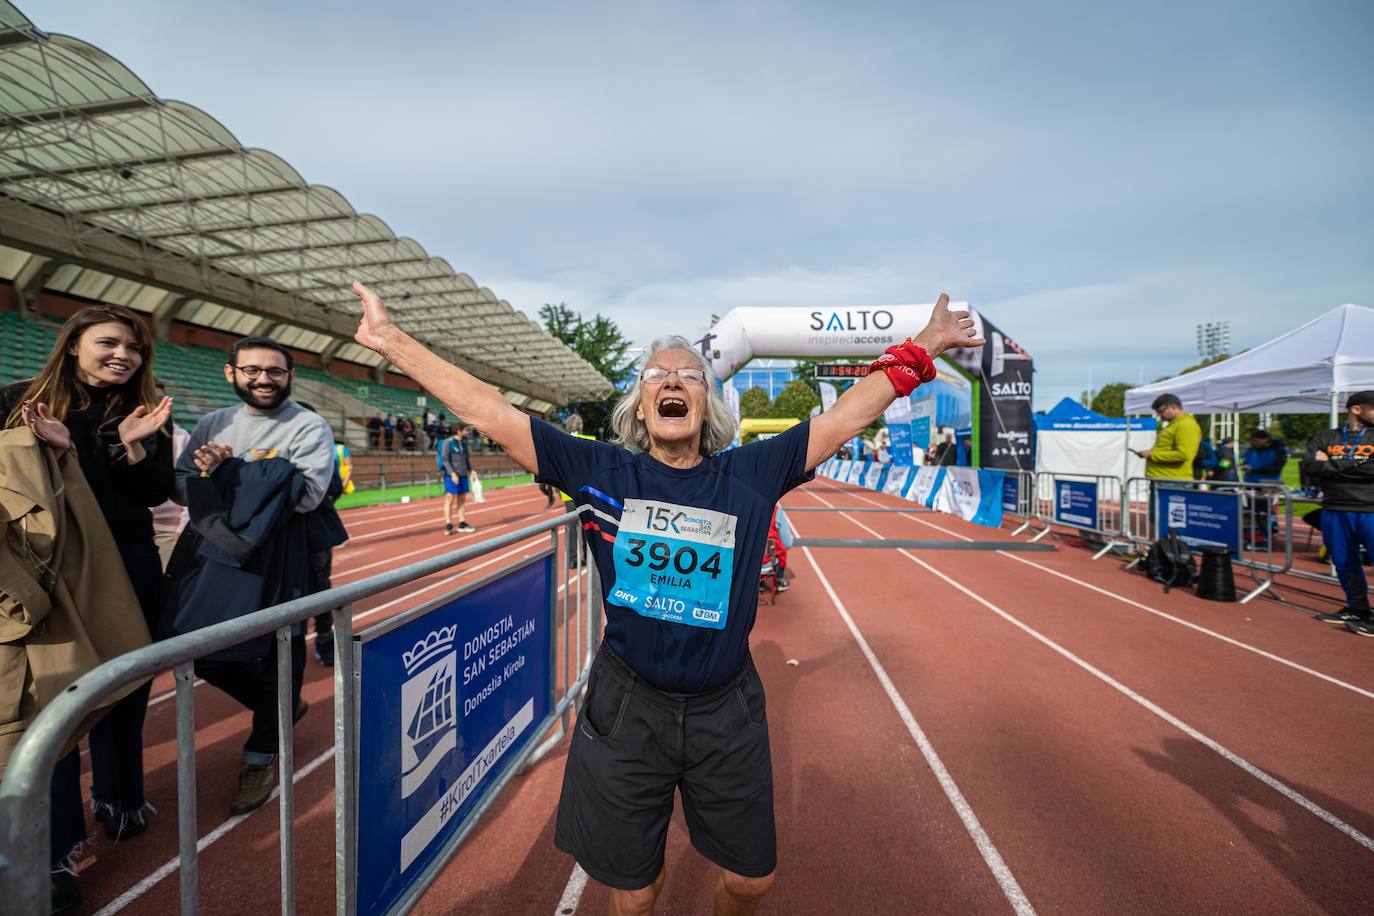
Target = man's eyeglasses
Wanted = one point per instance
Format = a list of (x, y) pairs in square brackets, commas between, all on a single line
[(275, 373), (656, 376)]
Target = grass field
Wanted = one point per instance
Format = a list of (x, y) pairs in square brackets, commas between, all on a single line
[(373, 497)]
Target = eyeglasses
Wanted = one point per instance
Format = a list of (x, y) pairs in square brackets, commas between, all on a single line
[(657, 376), (275, 373)]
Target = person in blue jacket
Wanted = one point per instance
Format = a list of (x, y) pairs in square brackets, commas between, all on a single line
[(676, 524), (1265, 458)]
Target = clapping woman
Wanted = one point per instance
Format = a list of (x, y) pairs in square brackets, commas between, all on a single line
[(96, 395)]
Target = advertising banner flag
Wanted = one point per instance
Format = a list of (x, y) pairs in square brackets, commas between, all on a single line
[(927, 482), (898, 479), (1006, 423), (828, 395), (971, 494)]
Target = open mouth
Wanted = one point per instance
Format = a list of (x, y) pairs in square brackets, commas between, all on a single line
[(118, 367), (672, 408)]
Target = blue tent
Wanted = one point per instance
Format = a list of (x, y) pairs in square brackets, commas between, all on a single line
[(1068, 415)]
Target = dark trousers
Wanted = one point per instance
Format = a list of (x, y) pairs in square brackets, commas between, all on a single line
[(1344, 533), (254, 684), (116, 741), (323, 563), (66, 815)]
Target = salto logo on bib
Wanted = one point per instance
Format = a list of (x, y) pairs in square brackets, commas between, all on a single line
[(429, 724)]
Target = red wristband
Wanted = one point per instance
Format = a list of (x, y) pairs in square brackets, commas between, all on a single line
[(907, 366)]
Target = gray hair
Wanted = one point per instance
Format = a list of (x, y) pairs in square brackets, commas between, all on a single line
[(717, 431)]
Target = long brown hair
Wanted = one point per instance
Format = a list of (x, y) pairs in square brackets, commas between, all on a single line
[(57, 384)]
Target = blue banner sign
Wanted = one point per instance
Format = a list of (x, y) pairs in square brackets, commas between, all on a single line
[(1075, 503), (1200, 518), (449, 696), (1011, 490)]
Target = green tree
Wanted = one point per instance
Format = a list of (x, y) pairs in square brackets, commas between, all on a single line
[(1110, 400), (599, 341), (755, 403), (795, 401)]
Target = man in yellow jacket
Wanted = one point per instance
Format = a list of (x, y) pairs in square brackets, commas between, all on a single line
[(1176, 442)]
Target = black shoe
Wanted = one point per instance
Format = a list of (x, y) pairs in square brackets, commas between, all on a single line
[(119, 825), (1344, 617), (1361, 627), (302, 708), (66, 894), (448, 529), (464, 526), (783, 584), (324, 649)]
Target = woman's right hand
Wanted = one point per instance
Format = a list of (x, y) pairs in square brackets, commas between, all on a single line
[(38, 417)]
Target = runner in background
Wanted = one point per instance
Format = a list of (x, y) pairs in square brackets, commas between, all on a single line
[(455, 463), (677, 528)]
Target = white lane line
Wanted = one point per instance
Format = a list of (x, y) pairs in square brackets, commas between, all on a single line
[(421, 508), (1005, 879), (572, 893), (174, 863), (1224, 752), (1231, 641)]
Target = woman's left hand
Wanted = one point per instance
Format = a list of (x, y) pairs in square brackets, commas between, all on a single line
[(142, 422), (139, 425), (38, 417)]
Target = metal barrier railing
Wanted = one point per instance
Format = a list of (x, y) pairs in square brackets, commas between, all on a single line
[(24, 789), (1255, 506), (1089, 503), (1018, 499)]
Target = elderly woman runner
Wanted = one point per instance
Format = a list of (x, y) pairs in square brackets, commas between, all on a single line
[(677, 528)]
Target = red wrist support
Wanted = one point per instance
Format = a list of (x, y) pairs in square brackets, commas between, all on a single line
[(906, 365)]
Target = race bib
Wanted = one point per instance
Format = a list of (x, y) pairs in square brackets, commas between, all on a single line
[(675, 563)]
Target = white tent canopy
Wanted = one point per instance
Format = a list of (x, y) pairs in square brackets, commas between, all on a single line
[(1306, 370), (1072, 440)]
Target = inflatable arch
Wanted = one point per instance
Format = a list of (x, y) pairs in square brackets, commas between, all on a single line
[(1001, 371)]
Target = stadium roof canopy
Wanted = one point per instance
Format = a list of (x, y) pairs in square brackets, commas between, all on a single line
[(103, 181)]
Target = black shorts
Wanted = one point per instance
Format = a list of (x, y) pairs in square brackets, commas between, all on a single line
[(634, 745)]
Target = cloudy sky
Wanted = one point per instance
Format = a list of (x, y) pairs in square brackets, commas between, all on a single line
[(1097, 178)]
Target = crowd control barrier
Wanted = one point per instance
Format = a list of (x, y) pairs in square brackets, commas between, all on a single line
[(1092, 504), (544, 626), (1245, 518), (1018, 500)]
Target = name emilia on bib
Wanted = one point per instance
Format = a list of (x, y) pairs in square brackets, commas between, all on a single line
[(675, 563)]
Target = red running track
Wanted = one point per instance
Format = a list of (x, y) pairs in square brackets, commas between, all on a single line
[(962, 732)]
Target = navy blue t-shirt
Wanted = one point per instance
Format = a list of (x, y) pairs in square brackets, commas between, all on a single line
[(678, 550)]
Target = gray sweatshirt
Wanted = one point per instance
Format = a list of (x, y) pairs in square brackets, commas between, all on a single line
[(301, 437)]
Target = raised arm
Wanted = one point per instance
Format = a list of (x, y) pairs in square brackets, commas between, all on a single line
[(471, 399), (866, 399)]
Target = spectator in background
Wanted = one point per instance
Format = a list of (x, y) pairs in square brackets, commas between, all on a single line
[(1341, 463), (389, 431), (1176, 442), (268, 425), (455, 461), (97, 395), (169, 518), (374, 431), (946, 453), (1265, 458), (408, 434)]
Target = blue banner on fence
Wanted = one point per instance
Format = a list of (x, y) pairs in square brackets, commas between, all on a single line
[(901, 444), (448, 700), (1075, 503), (1011, 492), (1200, 518)]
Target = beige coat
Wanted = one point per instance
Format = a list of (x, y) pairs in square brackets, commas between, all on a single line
[(66, 604)]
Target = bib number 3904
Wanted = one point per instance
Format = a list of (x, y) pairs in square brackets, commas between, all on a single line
[(675, 563)]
